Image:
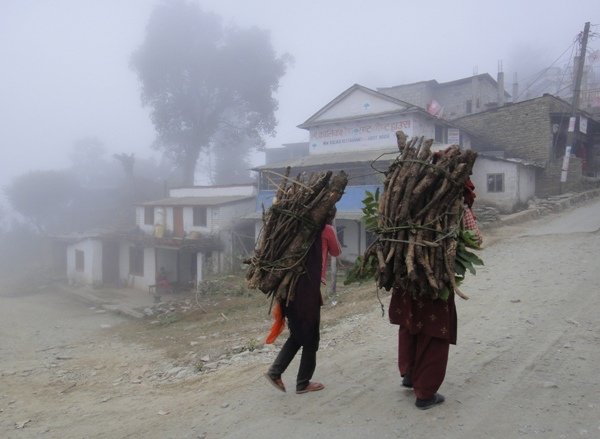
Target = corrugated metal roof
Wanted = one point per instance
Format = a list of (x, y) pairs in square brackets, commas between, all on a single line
[(196, 201), (348, 215), (523, 162), (366, 155)]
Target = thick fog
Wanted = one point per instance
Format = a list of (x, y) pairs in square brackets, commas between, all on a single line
[(66, 72)]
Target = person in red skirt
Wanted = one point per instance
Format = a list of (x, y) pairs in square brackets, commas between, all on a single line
[(426, 330)]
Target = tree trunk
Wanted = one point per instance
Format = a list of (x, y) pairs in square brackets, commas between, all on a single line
[(189, 166)]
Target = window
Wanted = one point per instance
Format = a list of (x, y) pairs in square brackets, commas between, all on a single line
[(469, 106), (79, 260), (136, 261), (200, 216), (495, 182), (149, 215), (440, 134)]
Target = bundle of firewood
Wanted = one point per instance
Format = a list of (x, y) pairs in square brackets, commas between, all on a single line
[(419, 218), (290, 227)]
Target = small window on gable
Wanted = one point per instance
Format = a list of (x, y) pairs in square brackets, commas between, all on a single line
[(200, 216), (149, 215), (495, 182), (79, 260), (136, 261)]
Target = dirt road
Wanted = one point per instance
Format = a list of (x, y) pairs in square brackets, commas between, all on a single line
[(526, 363)]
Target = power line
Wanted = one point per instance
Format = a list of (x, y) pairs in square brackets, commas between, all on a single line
[(571, 47)]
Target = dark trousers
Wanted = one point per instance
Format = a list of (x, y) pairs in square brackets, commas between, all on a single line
[(424, 358), (308, 362)]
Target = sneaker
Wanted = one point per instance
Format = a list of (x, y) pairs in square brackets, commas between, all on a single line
[(424, 404)]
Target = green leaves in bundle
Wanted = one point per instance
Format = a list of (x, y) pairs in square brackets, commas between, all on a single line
[(361, 271), (465, 259), (366, 270), (371, 210)]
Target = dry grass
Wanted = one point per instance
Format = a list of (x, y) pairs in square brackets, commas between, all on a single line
[(224, 322)]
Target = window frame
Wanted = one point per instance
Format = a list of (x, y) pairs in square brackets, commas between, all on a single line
[(136, 261), (149, 215), (79, 261), (440, 133), (495, 182), (200, 220)]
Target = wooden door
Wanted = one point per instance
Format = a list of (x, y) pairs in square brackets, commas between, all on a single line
[(178, 221)]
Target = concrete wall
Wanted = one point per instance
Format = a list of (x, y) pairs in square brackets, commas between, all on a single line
[(92, 262), (419, 94), (217, 217), (135, 281), (452, 96), (353, 105), (160, 217), (354, 239), (224, 216), (519, 183)]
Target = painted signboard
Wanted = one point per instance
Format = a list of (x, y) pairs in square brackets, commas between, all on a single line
[(374, 134)]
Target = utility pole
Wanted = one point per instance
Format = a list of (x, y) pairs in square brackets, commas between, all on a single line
[(575, 103)]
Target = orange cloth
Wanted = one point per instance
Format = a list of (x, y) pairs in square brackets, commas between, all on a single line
[(329, 246), (278, 324)]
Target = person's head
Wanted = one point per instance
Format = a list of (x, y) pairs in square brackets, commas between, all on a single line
[(331, 215)]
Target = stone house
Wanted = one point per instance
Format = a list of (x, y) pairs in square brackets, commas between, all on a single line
[(536, 131)]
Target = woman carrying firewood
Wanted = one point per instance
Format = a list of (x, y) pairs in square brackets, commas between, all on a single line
[(427, 327), (303, 314)]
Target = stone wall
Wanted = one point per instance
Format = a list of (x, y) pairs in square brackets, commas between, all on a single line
[(523, 130), (548, 182)]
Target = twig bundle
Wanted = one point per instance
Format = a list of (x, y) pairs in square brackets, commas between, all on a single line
[(290, 227), (420, 213)]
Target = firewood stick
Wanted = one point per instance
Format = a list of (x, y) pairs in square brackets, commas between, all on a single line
[(460, 294)]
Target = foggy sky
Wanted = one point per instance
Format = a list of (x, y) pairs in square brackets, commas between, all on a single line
[(66, 76)]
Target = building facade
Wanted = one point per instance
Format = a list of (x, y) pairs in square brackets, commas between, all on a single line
[(186, 235), (356, 133), (536, 131), (453, 99)]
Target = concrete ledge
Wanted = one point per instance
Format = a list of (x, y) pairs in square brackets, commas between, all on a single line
[(536, 212)]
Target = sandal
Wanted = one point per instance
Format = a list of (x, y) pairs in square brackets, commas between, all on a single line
[(275, 382), (312, 387), (424, 404)]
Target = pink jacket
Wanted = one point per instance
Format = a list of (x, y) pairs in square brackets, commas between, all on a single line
[(329, 246)]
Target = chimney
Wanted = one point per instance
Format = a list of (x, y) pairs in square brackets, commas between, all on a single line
[(500, 85), (515, 90), (475, 91)]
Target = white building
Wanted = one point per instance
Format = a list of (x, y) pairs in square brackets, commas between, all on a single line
[(193, 230), (504, 183)]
